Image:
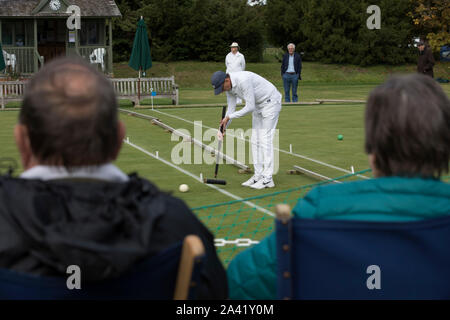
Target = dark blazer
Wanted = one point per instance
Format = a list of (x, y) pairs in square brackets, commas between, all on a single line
[(297, 63), (426, 62)]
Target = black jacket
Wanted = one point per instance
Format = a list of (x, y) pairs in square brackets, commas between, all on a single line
[(105, 228), (297, 64), (426, 62)]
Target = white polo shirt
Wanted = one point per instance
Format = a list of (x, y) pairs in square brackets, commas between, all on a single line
[(259, 94)]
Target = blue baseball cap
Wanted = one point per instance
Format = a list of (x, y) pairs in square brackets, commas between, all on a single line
[(217, 80)]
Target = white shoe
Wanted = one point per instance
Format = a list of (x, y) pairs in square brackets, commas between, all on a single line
[(263, 183), (251, 181)]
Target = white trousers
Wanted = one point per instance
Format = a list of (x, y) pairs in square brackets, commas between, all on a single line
[(264, 125)]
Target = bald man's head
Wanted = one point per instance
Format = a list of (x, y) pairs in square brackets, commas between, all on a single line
[(70, 114)]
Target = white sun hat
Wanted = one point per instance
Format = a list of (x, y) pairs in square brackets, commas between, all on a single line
[(234, 44)]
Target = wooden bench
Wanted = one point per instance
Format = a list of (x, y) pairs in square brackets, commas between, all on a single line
[(11, 91), (128, 88), (124, 88)]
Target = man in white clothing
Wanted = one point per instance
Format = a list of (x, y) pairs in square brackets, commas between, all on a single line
[(264, 101), (235, 62)]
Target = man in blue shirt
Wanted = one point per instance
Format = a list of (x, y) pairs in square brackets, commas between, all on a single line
[(291, 70)]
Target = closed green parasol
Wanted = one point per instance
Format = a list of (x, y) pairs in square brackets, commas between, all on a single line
[(141, 59)]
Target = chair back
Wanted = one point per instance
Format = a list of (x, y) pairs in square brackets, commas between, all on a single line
[(340, 259)]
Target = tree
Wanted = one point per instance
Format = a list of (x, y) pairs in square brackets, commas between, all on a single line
[(392, 44), (124, 29), (191, 29), (245, 25), (336, 31), (282, 20), (330, 30), (432, 18)]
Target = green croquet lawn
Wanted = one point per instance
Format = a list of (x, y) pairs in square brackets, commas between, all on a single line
[(311, 130)]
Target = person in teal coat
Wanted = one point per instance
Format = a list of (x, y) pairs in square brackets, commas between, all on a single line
[(407, 132)]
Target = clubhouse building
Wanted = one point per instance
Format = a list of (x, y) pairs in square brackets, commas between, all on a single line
[(32, 32)]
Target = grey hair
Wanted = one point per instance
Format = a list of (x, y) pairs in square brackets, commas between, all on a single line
[(291, 44)]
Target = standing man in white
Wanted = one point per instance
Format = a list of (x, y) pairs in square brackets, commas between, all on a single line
[(264, 101), (235, 61)]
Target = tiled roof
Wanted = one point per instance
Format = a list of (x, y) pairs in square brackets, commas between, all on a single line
[(89, 8)]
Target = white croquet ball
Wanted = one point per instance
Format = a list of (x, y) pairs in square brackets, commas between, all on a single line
[(184, 188)]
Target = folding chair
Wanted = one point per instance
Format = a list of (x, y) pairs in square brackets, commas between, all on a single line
[(10, 60), (97, 56), (172, 274), (341, 259)]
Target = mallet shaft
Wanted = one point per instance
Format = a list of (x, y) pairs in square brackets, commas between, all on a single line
[(224, 109)]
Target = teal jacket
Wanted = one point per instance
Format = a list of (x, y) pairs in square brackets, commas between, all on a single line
[(252, 273)]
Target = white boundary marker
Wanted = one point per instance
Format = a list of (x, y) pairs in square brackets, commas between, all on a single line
[(229, 194), (242, 242), (281, 150), (315, 174)]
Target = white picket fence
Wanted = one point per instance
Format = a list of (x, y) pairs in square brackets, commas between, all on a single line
[(124, 88)]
